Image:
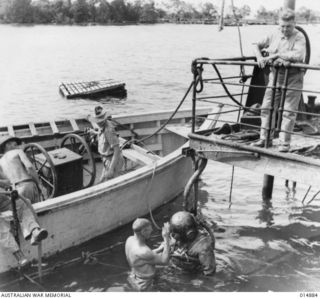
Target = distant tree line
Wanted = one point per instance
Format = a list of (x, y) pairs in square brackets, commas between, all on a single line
[(122, 11)]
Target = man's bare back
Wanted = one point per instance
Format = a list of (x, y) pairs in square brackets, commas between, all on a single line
[(140, 258)]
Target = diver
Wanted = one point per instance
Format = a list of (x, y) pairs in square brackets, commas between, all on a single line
[(194, 248)]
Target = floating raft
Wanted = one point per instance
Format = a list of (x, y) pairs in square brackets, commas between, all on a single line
[(91, 88)]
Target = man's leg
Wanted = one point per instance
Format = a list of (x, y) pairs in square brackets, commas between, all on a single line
[(7, 240), (29, 190), (291, 103), (27, 221)]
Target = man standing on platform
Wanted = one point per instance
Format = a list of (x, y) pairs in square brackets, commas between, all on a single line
[(285, 46)]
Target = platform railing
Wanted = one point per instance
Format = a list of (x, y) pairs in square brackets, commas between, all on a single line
[(199, 68)]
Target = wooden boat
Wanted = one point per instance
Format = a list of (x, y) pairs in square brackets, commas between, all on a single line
[(91, 88), (155, 174)]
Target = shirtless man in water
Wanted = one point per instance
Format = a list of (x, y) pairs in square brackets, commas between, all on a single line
[(14, 168), (141, 258)]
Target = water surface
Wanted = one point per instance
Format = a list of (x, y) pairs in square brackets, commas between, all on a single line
[(260, 247)]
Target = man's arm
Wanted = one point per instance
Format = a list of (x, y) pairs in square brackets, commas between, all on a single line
[(163, 257), (114, 161), (4, 182), (28, 166), (257, 47)]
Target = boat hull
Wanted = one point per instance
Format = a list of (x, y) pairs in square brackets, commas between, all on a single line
[(75, 218)]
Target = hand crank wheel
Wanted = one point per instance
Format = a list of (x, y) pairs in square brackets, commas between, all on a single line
[(44, 167)]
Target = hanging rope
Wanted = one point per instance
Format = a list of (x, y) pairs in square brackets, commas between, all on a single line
[(221, 22), (165, 123), (243, 75)]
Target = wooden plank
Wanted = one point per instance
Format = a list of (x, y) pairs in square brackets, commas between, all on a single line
[(264, 161), (54, 127), (74, 125), (11, 131), (75, 88), (72, 90), (137, 157), (64, 89), (33, 129)]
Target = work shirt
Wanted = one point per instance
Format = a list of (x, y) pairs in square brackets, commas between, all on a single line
[(107, 140), (292, 49)]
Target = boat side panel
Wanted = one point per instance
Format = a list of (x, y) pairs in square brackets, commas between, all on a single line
[(79, 222)]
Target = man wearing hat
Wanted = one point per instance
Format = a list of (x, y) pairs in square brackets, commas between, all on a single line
[(108, 144), (141, 258), (14, 167)]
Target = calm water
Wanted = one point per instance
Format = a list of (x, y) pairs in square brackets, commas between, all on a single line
[(259, 247)]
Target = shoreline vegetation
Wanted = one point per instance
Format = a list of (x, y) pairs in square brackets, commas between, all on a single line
[(122, 12)]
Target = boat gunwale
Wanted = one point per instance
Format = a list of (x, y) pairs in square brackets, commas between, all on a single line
[(79, 196)]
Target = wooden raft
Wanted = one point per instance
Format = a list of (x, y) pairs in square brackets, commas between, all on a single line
[(78, 89)]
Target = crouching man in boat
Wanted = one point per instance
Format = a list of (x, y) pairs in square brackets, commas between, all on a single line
[(194, 248), (15, 168), (108, 145), (141, 258), (18, 169)]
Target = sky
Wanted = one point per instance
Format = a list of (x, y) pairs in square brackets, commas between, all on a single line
[(255, 4)]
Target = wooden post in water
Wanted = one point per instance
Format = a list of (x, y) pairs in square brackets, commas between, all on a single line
[(269, 179)]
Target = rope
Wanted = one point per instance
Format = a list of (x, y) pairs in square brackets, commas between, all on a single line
[(86, 258), (305, 196), (149, 187), (166, 122), (227, 91), (313, 197), (243, 75), (231, 187)]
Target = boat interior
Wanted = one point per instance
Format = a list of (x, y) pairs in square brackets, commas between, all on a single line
[(63, 150)]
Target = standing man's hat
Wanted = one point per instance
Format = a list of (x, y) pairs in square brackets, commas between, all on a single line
[(100, 115), (7, 138)]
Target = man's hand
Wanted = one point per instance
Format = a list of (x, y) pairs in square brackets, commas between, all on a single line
[(262, 61), (281, 62), (166, 232), (110, 174)]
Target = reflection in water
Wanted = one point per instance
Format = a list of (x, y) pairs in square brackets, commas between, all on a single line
[(266, 214)]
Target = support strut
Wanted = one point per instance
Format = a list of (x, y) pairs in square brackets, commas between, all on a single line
[(193, 182)]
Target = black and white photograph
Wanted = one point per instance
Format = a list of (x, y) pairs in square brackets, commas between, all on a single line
[(159, 146)]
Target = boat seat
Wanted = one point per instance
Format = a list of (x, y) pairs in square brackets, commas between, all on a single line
[(179, 130), (137, 157)]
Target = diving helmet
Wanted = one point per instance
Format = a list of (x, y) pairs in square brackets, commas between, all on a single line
[(183, 226)]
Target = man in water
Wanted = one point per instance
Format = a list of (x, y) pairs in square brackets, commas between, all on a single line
[(15, 167), (194, 249), (141, 258), (282, 47), (108, 145)]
